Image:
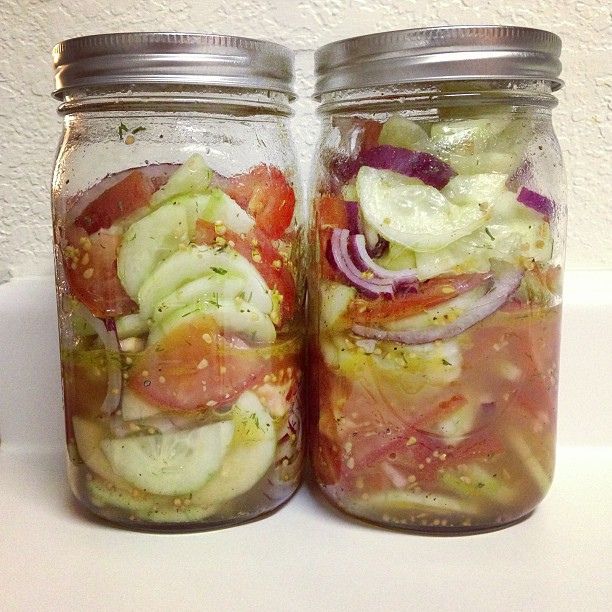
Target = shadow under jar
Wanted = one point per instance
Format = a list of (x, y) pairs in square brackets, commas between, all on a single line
[(180, 297), (438, 234)]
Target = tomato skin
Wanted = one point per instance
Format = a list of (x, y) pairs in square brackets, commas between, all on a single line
[(261, 253), (370, 132), (266, 194), (330, 212), (429, 293), (91, 269), (195, 367), (118, 201)]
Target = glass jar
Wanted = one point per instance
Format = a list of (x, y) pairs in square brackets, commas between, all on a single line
[(180, 297), (438, 232)]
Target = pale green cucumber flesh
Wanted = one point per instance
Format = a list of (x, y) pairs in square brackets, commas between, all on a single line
[(236, 316), (194, 176), (172, 463), (194, 262), (148, 242), (250, 456), (216, 286)]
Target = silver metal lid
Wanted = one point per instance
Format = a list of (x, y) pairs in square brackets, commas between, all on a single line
[(172, 58), (438, 54)]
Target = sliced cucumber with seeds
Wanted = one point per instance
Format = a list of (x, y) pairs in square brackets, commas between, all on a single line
[(145, 506), (149, 241), (218, 285), (235, 315), (194, 176), (194, 262), (250, 455), (173, 463), (417, 216)]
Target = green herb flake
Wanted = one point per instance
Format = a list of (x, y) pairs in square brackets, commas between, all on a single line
[(123, 129), (489, 233), (140, 128), (446, 363), (218, 270), (214, 301)]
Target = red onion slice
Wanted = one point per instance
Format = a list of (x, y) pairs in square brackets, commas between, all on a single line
[(359, 254), (353, 219), (340, 260), (505, 284), (76, 204), (417, 164), (536, 201)]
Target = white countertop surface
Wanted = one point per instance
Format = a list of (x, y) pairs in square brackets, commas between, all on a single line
[(306, 556)]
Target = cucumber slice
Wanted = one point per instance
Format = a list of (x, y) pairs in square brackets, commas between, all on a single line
[(194, 176), (413, 214), (250, 456), (220, 285), (410, 501), (397, 257), (475, 481), (409, 370), (131, 325), (401, 132), (146, 506), (215, 206), (194, 262), (222, 208), (513, 232), (335, 299), (540, 476), (134, 408), (172, 463), (456, 425), (487, 161), (88, 436), (232, 315), (467, 136), (149, 241), (484, 188)]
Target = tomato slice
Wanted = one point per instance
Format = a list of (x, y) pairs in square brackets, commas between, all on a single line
[(429, 293), (369, 132), (266, 194), (91, 269), (118, 201), (257, 248), (195, 367), (330, 212)]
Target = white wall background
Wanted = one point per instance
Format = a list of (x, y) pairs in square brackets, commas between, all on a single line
[(29, 127)]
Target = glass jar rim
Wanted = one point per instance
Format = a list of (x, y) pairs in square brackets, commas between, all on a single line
[(446, 53), (172, 58)]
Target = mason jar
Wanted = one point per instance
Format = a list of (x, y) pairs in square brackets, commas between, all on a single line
[(438, 244), (180, 295)]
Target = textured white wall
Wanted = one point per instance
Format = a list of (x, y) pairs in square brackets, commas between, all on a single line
[(30, 128)]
